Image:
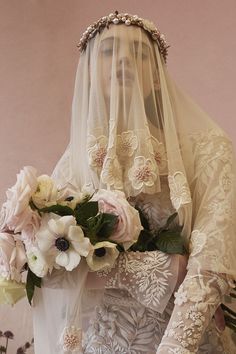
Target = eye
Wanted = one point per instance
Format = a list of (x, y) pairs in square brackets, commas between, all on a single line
[(141, 50), (106, 48), (107, 51)]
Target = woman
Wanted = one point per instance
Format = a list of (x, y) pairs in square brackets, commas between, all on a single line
[(134, 130)]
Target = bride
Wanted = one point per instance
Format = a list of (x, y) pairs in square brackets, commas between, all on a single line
[(133, 130)]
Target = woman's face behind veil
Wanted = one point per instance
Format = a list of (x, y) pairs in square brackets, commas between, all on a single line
[(126, 62)]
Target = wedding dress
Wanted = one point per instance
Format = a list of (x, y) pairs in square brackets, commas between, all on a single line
[(134, 130)]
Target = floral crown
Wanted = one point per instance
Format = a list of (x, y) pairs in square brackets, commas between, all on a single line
[(127, 19)]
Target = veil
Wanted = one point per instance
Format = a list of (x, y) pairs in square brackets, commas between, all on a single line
[(131, 129)]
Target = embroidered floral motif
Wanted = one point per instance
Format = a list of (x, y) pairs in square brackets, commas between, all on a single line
[(147, 276), (181, 298), (127, 143), (72, 339), (121, 326), (196, 302), (125, 328), (197, 242), (157, 149), (220, 209), (179, 191), (112, 173), (142, 173), (97, 150), (226, 178)]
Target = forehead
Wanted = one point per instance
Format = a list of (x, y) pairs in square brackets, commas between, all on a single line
[(125, 33)]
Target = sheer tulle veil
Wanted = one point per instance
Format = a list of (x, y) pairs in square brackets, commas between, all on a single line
[(131, 128)]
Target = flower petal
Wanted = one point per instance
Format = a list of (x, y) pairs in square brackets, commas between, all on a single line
[(62, 259), (73, 260)]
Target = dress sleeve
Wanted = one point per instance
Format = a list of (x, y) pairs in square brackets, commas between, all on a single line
[(195, 304), (213, 238), (211, 264)]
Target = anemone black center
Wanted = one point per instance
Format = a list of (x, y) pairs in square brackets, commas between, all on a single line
[(100, 252), (62, 244), (69, 199)]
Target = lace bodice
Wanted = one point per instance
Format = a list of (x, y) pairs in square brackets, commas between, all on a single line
[(139, 313)]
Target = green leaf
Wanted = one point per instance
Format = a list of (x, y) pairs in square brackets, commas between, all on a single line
[(144, 243), (58, 209), (107, 226), (94, 223), (85, 211), (170, 242), (32, 281)]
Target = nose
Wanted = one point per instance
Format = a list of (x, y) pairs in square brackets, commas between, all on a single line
[(124, 54)]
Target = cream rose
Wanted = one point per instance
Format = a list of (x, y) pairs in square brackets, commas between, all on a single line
[(46, 193), (128, 225)]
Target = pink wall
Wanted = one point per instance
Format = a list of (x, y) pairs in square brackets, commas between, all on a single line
[(39, 57), (37, 66)]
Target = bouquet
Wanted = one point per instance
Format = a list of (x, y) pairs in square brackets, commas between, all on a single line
[(44, 226)]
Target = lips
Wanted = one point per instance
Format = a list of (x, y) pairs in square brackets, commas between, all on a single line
[(124, 75)]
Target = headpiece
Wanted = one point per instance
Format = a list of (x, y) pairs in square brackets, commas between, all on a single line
[(127, 19)]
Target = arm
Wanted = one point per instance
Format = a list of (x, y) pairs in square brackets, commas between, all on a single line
[(212, 246), (195, 303), (150, 277)]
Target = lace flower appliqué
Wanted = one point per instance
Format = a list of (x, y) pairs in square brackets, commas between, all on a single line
[(179, 191), (97, 150), (197, 242), (127, 143), (112, 173), (226, 178), (158, 150), (142, 173), (72, 339)]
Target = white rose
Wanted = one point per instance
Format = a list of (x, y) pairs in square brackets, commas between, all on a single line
[(16, 212), (12, 257), (37, 262), (29, 231), (46, 193)]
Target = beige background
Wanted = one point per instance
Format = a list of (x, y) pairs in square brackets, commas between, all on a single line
[(38, 59)]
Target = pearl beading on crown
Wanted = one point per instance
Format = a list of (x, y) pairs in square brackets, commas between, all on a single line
[(127, 19)]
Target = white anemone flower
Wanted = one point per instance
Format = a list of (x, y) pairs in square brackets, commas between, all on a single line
[(102, 256), (62, 239)]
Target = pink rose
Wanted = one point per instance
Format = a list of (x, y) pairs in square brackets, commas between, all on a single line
[(16, 212), (29, 231), (128, 226), (12, 257)]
